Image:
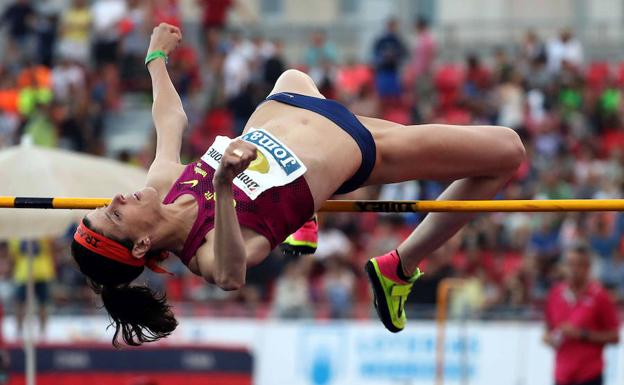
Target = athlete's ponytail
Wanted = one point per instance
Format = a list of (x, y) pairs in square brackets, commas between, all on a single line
[(137, 313)]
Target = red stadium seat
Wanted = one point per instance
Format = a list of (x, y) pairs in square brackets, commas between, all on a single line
[(448, 77), (597, 75), (455, 115), (351, 79), (217, 121), (620, 74), (448, 81), (398, 114)]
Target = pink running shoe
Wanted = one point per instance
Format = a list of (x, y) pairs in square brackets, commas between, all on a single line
[(302, 241)]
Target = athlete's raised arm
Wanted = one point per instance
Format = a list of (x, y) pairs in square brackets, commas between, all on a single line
[(169, 116), (229, 267)]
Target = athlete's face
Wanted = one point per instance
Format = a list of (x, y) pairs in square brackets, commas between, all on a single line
[(127, 216)]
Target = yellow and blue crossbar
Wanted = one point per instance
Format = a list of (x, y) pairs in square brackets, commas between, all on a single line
[(367, 205)]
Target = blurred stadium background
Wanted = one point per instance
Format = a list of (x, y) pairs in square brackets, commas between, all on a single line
[(71, 77)]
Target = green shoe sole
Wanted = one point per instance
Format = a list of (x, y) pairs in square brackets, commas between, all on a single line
[(381, 305)]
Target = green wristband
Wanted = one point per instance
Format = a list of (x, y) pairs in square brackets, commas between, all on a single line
[(155, 55)]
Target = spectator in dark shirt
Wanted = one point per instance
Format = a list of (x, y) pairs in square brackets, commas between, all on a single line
[(19, 17), (439, 267), (274, 65), (45, 28), (388, 54)]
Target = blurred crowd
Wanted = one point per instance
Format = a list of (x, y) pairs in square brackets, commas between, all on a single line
[(64, 72)]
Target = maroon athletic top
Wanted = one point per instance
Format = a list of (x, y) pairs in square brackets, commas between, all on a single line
[(275, 214)]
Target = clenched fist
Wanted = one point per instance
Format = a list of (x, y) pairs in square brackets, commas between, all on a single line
[(165, 37), (236, 158)]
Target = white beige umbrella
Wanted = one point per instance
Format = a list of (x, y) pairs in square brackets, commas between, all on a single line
[(27, 170), (32, 171)]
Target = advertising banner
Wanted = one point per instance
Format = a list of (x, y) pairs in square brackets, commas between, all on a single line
[(360, 352)]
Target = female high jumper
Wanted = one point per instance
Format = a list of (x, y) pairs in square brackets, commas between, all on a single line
[(228, 210)]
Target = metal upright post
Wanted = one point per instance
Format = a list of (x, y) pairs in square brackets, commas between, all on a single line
[(29, 337)]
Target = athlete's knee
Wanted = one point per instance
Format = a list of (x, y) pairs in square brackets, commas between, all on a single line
[(512, 151), (293, 72), (296, 75)]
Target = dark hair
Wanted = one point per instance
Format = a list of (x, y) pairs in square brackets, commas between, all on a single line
[(136, 312), (422, 22), (581, 247)]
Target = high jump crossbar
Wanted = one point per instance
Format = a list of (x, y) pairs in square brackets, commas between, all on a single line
[(367, 205)]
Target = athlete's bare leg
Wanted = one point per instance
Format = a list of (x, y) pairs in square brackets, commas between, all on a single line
[(480, 159)]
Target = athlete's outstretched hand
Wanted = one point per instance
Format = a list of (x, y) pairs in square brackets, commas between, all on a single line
[(165, 37), (237, 157)]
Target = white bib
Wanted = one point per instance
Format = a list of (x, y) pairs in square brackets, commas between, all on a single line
[(275, 165)]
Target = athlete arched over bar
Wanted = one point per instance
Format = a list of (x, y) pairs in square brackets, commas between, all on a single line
[(227, 211)]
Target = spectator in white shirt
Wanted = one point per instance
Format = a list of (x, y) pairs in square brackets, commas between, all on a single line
[(564, 49), (106, 17)]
